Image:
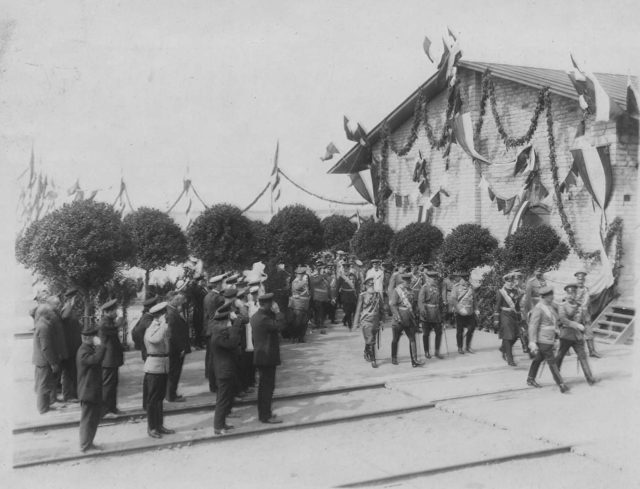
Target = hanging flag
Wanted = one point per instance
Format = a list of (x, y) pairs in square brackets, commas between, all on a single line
[(571, 179), (93, 195), (632, 99), (363, 184), (358, 218), (188, 208), (501, 203), (330, 151), (593, 164), (463, 131), (420, 211), (525, 160), (435, 200), (361, 135), (275, 179), (450, 57), (593, 95), (492, 196), (426, 45), (509, 203), (515, 223), (424, 186), (347, 130)]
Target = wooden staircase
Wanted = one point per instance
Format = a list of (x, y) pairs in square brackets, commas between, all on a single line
[(615, 324)]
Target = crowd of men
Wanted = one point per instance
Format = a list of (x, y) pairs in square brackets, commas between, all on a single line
[(239, 319)]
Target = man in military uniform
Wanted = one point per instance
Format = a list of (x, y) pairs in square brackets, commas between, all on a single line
[(367, 316), (113, 358), (179, 344), (321, 298), (532, 291), (572, 327), (45, 357), (197, 292), (404, 320), (377, 274), (447, 287), (137, 335), (266, 341), (463, 303), (89, 359), (156, 370), (429, 301), (212, 301), (543, 325), (583, 299), (507, 317)]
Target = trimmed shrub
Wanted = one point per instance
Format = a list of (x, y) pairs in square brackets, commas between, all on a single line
[(372, 240), (416, 243), (337, 232), (468, 246)]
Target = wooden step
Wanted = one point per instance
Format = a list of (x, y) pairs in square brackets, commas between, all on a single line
[(624, 318), (612, 324), (627, 311)]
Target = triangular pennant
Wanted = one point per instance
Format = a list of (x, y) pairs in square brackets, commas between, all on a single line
[(426, 45), (509, 205), (523, 159), (593, 95), (492, 196), (501, 203), (330, 151), (463, 132), (435, 200)]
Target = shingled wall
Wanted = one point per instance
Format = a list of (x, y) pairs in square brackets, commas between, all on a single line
[(469, 203)]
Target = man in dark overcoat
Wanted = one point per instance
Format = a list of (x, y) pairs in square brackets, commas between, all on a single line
[(45, 356), (212, 301), (265, 327), (113, 358), (178, 344), (89, 359), (71, 327), (225, 344)]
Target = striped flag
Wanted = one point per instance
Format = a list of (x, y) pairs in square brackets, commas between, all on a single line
[(363, 184), (463, 132), (592, 95), (275, 180), (330, 151), (593, 164)]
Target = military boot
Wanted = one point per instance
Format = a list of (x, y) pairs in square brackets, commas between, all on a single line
[(586, 370), (372, 351), (394, 353), (592, 349), (413, 350)]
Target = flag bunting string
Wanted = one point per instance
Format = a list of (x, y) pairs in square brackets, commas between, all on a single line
[(319, 196)]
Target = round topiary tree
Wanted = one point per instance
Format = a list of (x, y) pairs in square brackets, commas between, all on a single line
[(337, 232), (416, 243), (222, 237), (372, 240), (533, 246), (468, 246), (157, 241), (261, 235), (294, 234), (81, 245)]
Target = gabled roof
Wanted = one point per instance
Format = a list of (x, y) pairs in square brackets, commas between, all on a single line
[(557, 81)]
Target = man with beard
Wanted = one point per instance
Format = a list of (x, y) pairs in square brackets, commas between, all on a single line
[(367, 316)]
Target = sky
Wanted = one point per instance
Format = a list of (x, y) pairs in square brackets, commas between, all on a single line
[(153, 91)]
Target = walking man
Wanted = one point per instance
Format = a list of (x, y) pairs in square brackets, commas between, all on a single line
[(583, 299), (179, 345), (543, 326), (404, 320), (507, 317), (300, 298), (367, 316), (463, 301), (45, 357), (212, 301), (72, 329), (266, 343), (89, 359)]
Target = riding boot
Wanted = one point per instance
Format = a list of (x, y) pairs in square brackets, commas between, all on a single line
[(592, 349), (508, 347), (372, 351), (413, 350), (586, 370), (425, 344), (367, 353), (394, 353), (525, 342), (558, 377)]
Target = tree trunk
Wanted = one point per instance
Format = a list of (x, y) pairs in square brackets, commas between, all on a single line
[(86, 320), (146, 284)]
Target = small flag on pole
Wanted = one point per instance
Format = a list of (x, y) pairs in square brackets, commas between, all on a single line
[(275, 180)]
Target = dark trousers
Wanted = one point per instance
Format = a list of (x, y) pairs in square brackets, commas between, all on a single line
[(198, 326), (545, 353), (175, 370), (109, 389), (331, 311), (507, 349), (349, 308), (90, 413), (247, 372), (266, 385), (462, 322), (411, 334), (427, 327), (69, 379), (320, 313), (299, 320), (224, 401), (565, 345), (156, 386), (208, 366), (44, 380)]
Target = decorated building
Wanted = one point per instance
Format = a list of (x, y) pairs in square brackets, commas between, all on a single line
[(504, 146)]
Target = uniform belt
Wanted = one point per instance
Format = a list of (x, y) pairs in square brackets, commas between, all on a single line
[(157, 354)]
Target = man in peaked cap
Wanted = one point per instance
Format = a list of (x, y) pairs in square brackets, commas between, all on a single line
[(137, 335), (46, 357), (71, 327), (179, 344), (212, 301), (404, 321), (225, 342), (542, 335), (507, 316), (266, 326), (156, 370), (89, 366), (584, 298), (367, 316), (300, 300), (465, 308), (429, 302), (113, 358)]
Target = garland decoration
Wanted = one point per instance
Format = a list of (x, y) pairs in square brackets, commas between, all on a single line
[(319, 196), (257, 198)]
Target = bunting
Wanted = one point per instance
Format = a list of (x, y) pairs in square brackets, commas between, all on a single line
[(463, 132), (358, 136), (275, 180), (592, 96)]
